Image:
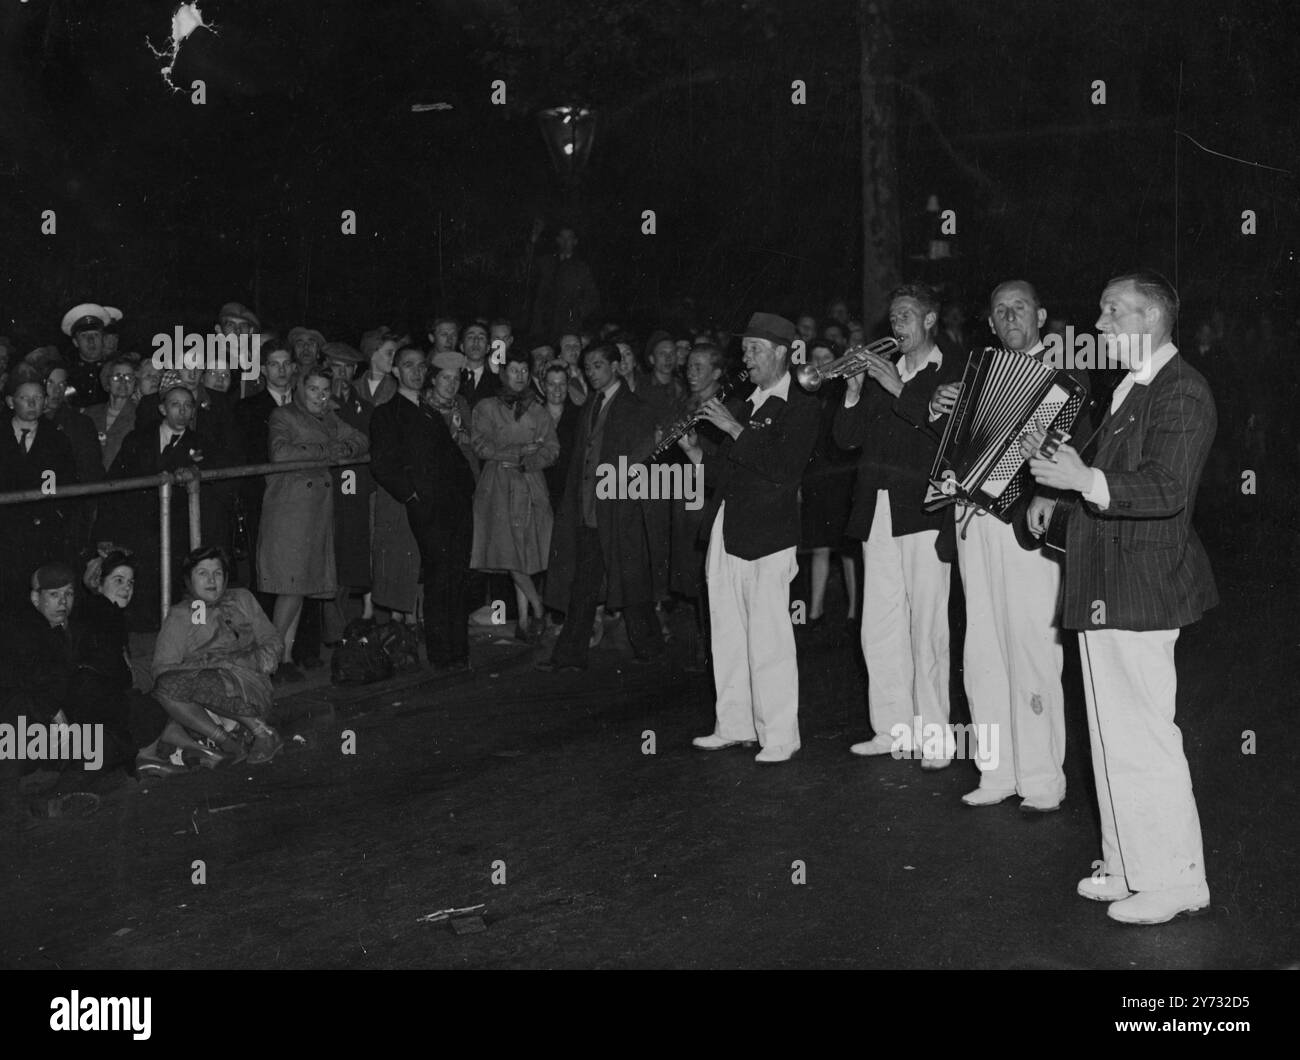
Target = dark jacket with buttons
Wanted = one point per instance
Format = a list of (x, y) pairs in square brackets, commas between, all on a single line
[(758, 475)]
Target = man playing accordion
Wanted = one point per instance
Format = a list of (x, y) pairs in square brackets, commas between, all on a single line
[(1013, 655)]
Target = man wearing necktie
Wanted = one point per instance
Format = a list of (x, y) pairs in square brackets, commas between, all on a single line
[(752, 526), (599, 548), (414, 457), (1135, 573), (480, 378), (37, 456)]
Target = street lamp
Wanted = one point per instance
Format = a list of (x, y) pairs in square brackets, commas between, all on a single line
[(568, 132)]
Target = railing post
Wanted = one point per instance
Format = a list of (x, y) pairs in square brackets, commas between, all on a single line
[(165, 544), (196, 526)]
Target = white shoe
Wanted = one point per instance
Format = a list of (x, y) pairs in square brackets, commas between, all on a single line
[(1040, 805), (877, 745), (1157, 907), (986, 796), (776, 752), (935, 763), (1104, 888), (717, 743)]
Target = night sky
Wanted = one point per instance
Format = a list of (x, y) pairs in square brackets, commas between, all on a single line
[(168, 209)]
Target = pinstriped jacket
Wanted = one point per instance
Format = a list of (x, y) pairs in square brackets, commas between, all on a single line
[(1140, 557)]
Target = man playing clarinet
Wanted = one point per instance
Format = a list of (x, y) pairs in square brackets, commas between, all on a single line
[(752, 524)]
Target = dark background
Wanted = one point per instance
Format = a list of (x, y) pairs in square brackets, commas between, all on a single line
[(167, 209)]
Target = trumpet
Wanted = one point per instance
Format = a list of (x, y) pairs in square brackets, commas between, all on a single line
[(681, 427), (854, 362)]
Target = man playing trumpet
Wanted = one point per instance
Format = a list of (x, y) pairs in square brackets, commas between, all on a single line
[(905, 583)]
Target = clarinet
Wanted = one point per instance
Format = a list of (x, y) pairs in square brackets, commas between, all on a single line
[(681, 427)]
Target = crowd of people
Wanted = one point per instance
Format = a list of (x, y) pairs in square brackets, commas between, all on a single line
[(463, 473)]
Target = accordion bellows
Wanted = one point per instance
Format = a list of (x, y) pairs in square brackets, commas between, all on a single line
[(1004, 396)]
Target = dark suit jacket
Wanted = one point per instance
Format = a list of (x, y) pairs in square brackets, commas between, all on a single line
[(252, 423), (36, 666), (567, 296), (566, 431), (898, 446), (131, 518), (413, 453), (620, 522), (489, 385), (38, 530), (1140, 558), (83, 380), (252, 427), (758, 474), (84, 438)]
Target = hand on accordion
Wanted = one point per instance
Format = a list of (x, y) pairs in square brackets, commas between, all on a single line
[(1064, 471), (945, 399)]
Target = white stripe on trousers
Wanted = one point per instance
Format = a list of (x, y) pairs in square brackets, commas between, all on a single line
[(904, 626), (755, 669), (1013, 658), (1150, 830)]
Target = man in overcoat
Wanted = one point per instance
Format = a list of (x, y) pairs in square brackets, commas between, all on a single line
[(599, 547)]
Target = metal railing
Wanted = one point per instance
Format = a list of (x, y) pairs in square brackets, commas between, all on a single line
[(163, 483)]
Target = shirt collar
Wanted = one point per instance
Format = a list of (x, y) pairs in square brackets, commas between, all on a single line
[(612, 389), (935, 358), (1159, 359), (780, 389)]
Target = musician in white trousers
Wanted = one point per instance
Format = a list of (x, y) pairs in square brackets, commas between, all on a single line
[(1013, 653), (753, 527), (1135, 574), (905, 637)]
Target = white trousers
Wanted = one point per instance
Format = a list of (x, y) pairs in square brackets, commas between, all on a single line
[(755, 669), (904, 626), (1013, 658), (1150, 830)]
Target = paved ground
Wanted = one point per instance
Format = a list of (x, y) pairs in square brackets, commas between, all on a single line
[(615, 858)]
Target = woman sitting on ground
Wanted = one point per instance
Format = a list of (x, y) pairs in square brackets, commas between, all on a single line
[(214, 657)]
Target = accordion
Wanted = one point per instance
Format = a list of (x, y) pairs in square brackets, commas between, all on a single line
[(1004, 396)]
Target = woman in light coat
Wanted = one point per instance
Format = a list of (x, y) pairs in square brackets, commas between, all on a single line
[(295, 548), (514, 436)]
